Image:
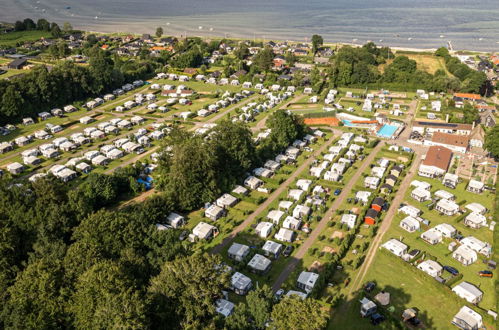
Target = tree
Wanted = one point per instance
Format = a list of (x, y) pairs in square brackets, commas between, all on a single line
[(12, 101), (159, 31), (239, 319), (67, 27), (294, 313), (189, 59), (233, 145), (442, 52), (190, 175), (55, 31), (492, 141), (190, 286), (263, 61), (317, 41), (285, 128), (19, 26), (470, 114), (29, 24), (107, 297), (241, 52), (36, 299), (260, 304), (290, 58), (43, 25)]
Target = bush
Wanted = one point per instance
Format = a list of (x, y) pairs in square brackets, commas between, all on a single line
[(453, 280)]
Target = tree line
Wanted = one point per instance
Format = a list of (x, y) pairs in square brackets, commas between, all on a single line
[(42, 89), (471, 80), (42, 25)]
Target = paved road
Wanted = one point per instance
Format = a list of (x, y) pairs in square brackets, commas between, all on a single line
[(385, 225), (262, 207), (300, 253)]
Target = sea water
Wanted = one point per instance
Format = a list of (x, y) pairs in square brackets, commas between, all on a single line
[(468, 24)]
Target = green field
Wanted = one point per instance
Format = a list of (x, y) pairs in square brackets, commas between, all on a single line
[(12, 39)]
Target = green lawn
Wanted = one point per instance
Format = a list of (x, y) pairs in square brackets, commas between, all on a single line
[(412, 288), (11, 39), (12, 72)]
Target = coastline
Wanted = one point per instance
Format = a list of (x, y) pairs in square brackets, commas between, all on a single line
[(414, 33)]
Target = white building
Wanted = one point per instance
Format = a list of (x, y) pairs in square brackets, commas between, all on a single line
[(204, 230), (465, 255), (410, 224), (396, 247), (306, 281), (263, 229), (469, 292), (284, 235), (447, 207), (431, 268), (467, 318), (349, 220)]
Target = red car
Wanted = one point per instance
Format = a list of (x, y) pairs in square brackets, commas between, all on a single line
[(485, 273)]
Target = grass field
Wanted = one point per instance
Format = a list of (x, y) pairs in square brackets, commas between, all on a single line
[(428, 63), (11, 39)]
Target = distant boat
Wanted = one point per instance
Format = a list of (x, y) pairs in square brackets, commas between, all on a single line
[(409, 39), (354, 40), (96, 17), (480, 39), (442, 36), (68, 7)]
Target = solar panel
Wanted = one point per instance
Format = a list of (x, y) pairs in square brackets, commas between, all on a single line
[(428, 123)]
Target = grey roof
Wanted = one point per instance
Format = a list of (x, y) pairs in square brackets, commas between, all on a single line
[(259, 262), (240, 281), (470, 288), (271, 246), (239, 250)]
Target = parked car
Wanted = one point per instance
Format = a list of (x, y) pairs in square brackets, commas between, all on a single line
[(278, 295), (369, 287), (413, 253), (451, 270), (414, 321), (288, 250), (377, 318), (485, 273), (337, 192), (183, 235)]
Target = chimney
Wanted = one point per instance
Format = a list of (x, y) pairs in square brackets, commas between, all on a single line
[(447, 118)]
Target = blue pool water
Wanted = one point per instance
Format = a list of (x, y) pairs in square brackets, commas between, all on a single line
[(348, 123), (387, 131)]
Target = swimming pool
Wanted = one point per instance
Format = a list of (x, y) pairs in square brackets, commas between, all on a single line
[(387, 131), (348, 123)]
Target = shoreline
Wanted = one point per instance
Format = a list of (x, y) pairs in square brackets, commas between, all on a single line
[(326, 43)]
